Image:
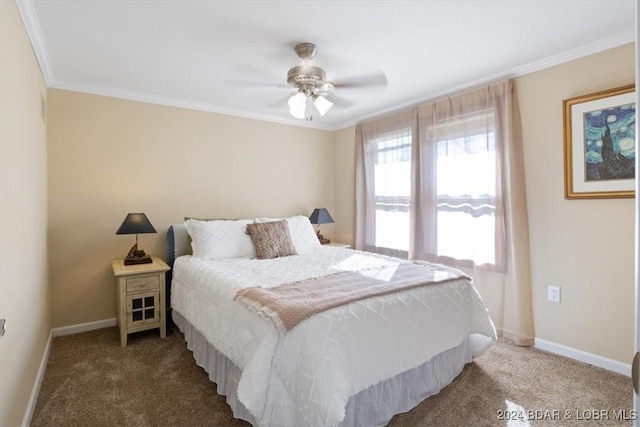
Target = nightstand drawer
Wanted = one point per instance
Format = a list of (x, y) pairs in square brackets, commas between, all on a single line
[(144, 283)]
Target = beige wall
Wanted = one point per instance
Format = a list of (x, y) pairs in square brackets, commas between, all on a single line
[(584, 246), (109, 156), (24, 296), (345, 196)]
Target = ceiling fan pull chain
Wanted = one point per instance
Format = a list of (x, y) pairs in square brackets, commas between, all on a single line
[(308, 113)]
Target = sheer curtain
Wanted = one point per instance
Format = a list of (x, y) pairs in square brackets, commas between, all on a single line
[(467, 204), (456, 217), (383, 184)]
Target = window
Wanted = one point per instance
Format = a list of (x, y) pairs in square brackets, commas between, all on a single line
[(461, 191), (392, 191), (466, 189)]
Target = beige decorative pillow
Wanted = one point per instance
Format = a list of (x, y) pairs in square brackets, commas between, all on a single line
[(271, 239)]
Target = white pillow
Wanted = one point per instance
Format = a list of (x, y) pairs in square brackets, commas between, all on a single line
[(220, 239), (302, 233)]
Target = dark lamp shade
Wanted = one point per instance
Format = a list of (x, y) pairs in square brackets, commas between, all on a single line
[(320, 216), (136, 223)]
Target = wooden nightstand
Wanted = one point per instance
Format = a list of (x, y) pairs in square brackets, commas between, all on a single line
[(141, 297), (340, 245)]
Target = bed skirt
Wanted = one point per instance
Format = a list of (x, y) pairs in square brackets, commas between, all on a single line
[(374, 406)]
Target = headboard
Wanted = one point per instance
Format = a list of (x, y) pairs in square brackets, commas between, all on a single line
[(177, 244)]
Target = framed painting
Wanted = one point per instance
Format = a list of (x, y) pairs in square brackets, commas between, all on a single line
[(600, 144)]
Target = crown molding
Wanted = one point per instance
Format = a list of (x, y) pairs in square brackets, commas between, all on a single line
[(548, 62), (181, 103), (576, 53), (31, 22)]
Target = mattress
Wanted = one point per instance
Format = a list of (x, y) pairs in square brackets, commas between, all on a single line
[(307, 375)]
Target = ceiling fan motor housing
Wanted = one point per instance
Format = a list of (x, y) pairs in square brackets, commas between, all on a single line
[(309, 79), (306, 51)]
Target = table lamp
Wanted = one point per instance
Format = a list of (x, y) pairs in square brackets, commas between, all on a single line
[(136, 223), (321, 216)]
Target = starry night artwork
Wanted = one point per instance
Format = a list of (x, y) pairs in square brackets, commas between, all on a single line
[(609, 138)]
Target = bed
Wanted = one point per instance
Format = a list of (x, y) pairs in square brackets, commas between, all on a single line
[(354, 364)]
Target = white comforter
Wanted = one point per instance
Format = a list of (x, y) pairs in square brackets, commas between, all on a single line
[(306, 376)]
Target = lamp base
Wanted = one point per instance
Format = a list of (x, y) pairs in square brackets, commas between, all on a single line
[(138, 260), (323, 241), (137, 256)]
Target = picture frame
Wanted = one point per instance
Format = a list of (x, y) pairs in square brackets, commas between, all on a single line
[(599, 144)]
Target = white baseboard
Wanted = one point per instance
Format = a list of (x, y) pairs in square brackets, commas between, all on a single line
[(83, 327), (31, 406), (583, 356), (58, 332)]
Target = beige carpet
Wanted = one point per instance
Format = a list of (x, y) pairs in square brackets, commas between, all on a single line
[(91, 381)]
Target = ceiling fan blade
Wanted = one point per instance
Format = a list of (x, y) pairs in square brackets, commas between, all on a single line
[(249, 77), (281, 102), (368, 80), (339, 101), (249, 83)]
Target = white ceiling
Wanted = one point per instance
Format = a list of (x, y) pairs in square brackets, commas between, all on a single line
[(233, 56)]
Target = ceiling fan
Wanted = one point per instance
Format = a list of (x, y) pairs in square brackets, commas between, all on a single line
[(313, 91), (313, 87)]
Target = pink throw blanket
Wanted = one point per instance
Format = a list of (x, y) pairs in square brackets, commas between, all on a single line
[(291, 303)]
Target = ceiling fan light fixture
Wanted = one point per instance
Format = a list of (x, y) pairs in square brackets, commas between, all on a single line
[(301, 106), (298, 101), (322, 105), (298, 105)]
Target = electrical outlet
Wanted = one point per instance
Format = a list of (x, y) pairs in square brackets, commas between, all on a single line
[(553, 293)]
